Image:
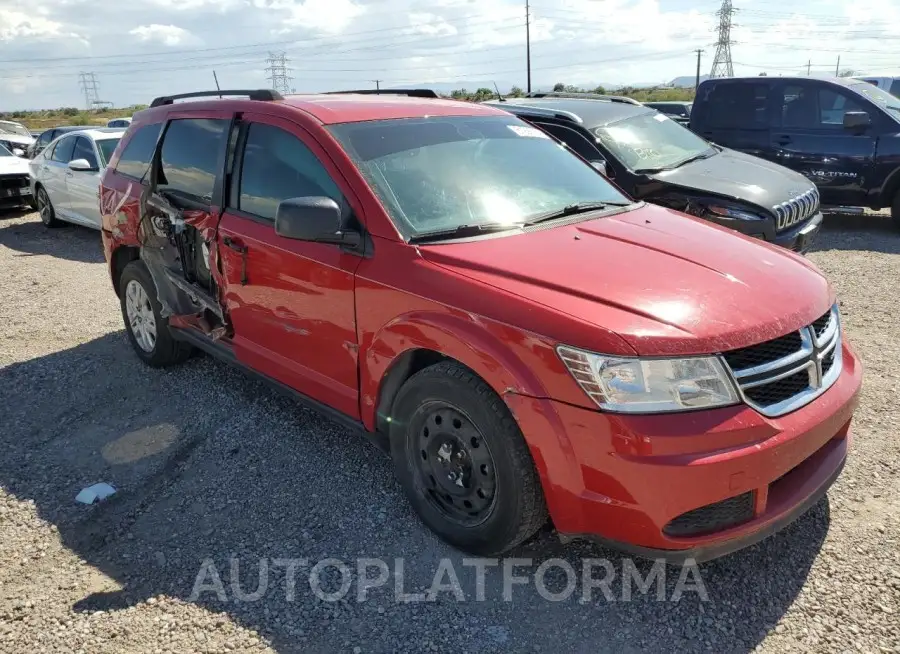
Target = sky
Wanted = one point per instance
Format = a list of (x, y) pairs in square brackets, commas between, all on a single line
[(145, 48)]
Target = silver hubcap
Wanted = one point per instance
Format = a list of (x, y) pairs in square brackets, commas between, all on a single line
[(140, 316)]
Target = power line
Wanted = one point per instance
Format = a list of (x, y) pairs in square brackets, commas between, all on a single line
[(722, 66)]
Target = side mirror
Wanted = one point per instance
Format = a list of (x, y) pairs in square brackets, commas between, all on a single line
[(316, 219), (856, 120), (600, 165), (81, 164), (19, 152)]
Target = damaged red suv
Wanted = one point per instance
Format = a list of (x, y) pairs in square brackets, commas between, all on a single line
[(528, 342)]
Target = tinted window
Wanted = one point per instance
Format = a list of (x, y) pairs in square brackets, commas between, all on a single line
[(135, 159), (736, 106), (278, 166), (106, 147), (574, 140), (84, 150), (64, 149), (190, 157), (807, 107), (45, 138), (895, 88)]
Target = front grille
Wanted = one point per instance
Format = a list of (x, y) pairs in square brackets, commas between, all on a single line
[(13, 181), (796, 210), (712, 517), (790, 371), (757, 355)]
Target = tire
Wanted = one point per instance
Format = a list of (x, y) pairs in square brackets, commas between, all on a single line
[(447, 421), (895, 210), (45, 208), (141, 313)]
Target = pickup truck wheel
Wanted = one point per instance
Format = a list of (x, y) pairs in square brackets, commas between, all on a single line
[(895, 210), (463, 463), (147, 330)]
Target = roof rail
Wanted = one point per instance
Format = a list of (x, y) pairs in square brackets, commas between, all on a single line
[(583, 96), (266, 95), (413, 93), (510, 105)]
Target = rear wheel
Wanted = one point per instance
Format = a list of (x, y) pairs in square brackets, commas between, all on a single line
[(147, 330), (895, 210), (45, 208), (463, 462)]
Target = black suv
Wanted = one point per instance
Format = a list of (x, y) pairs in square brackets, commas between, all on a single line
[(48, 135), (653, 158), (842, 134)]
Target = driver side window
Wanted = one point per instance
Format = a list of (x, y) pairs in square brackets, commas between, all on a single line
[(277, 166), (62, 153), (84, 150)]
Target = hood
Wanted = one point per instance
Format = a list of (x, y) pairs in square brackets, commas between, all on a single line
[(16, 138), (665, 282), (739, 176), (13, 165)]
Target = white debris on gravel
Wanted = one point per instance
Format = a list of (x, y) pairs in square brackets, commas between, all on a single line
[(214, 466)]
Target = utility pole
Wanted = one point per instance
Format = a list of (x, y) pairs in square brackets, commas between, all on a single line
[(722, 65), (278, 72), (90, 88), (699, 51), (808, 66), (528, 42), (837, 69), (377, 84)]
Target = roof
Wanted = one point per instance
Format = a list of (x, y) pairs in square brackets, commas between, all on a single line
[(653, 103), (97, 133), (843, 81), (593, 113), (333, 108)]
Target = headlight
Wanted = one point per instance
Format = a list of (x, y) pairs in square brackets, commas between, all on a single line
[(629, 385), (728, 212)]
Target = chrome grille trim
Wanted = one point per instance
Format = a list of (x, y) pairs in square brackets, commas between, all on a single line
[(812, 352), (795, 210)]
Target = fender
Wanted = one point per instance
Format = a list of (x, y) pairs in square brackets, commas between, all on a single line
[(484, 347)]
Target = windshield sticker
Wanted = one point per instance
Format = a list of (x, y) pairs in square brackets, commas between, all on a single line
[(660, 117), (531, 132)]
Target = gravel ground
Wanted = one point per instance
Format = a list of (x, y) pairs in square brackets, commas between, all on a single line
[(212, 466)]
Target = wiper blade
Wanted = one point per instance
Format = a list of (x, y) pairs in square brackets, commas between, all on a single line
[(463, 231), (703, 155), (571, 210)]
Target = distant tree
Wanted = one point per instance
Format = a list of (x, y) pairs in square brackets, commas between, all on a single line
[(599, 90), (516, 92), (847, 73), (460, 94), (484, 93), (69, 111), (559, 87)]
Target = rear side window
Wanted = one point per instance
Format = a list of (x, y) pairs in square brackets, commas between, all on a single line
[(138, 152), (64, 149), (276, 166), (189, 158), (736, 106), (573, 139), (84, 150), (806, 107), (45, 138), (895, 88)]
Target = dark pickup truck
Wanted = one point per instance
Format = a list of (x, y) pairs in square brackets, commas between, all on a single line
[(841, 134)]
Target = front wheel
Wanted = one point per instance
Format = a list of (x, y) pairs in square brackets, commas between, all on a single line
[(45, 208), (463, 463), (147, 330)]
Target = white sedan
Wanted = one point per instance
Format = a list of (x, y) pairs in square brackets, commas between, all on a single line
[(65, 176)]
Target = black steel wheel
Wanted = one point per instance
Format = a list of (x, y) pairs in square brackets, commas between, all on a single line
[(463, 462)]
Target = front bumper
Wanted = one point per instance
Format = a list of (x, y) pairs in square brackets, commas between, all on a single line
[(21, 195), (623, 479), (798, 238)]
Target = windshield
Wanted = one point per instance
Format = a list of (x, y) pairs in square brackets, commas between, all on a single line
[(13, 128), (650, 141), (107, 147), (440, 173), (879, 97)]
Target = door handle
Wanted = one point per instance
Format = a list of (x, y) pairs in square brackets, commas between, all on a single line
[(239, 247)]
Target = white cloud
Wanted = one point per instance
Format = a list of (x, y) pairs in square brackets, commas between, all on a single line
[(170, 35), (19, 25), (330, 16)]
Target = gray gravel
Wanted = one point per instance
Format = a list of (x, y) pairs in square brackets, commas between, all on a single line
[(211, 465)]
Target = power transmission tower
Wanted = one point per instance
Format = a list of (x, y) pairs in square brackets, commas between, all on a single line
[(278, 72), (91, 89), (722, 66)]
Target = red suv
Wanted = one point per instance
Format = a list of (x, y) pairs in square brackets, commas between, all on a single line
[(525, 339)]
